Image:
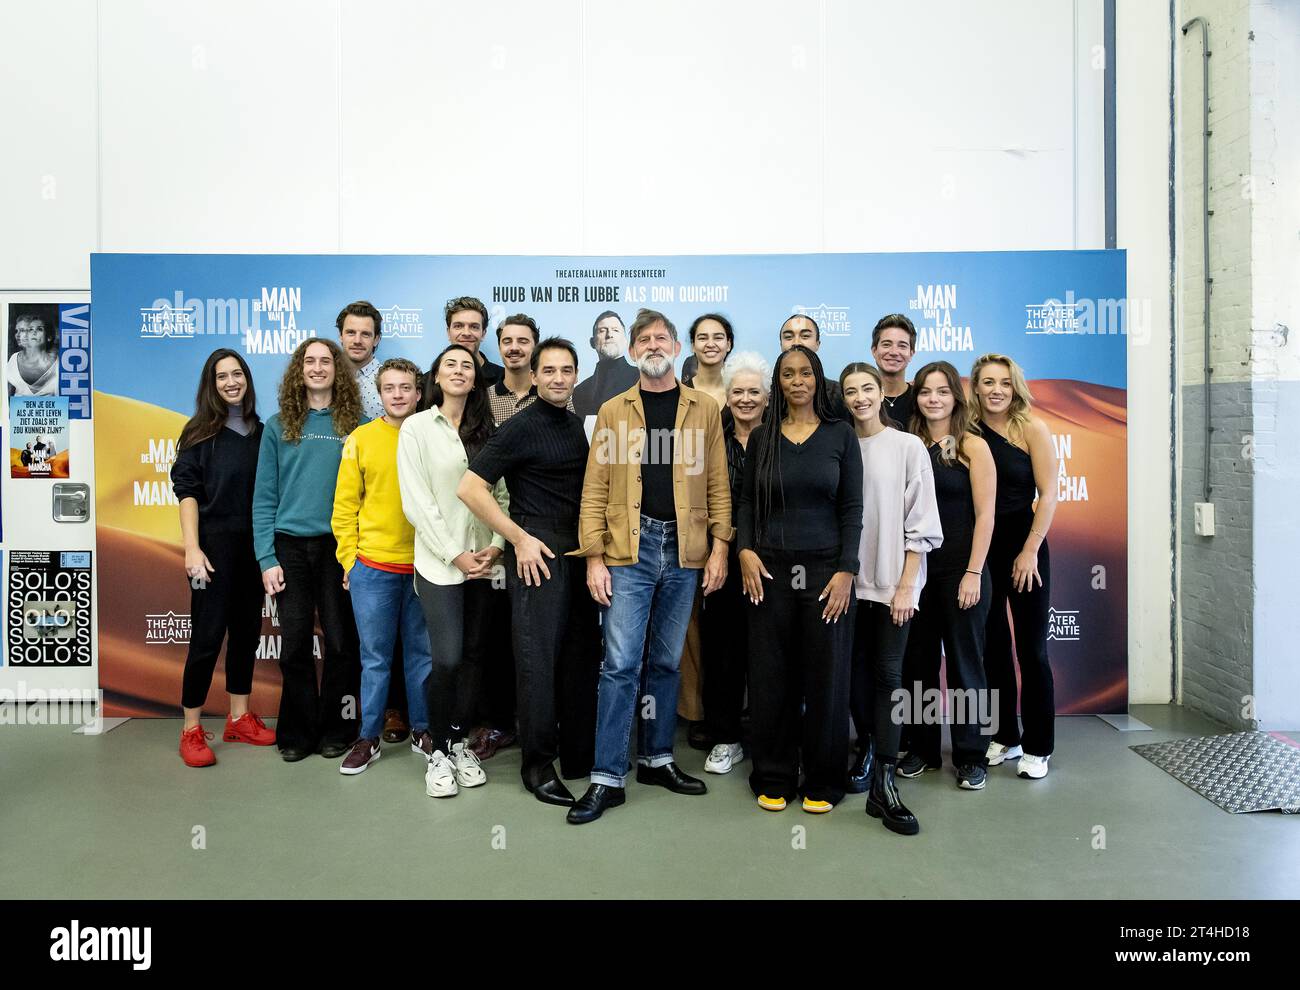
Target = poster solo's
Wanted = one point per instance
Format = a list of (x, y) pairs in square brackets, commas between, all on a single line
[(49, 608)]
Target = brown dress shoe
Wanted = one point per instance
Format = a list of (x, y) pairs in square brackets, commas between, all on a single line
[(395, 728), (491, 741)]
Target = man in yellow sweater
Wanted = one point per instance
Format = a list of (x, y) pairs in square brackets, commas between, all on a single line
[(376, 547)]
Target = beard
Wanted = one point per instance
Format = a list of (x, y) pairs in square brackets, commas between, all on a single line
[(610, 351), (653, 366)]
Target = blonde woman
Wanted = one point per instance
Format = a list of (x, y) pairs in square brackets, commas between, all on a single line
[(1019, 563)]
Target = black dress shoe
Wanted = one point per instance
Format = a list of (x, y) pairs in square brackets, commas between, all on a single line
[(671, 777), (291, 755), (593, 804), (884, 803), (553, 792), (859, 781), (333, 750)]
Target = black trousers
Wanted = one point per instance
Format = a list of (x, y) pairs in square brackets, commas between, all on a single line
[(496, 703), (799, 680), (877, 673), (456, 616), (557, 655), (941, 630), (311, 714), (724, 649), (1029, 615), (228, 607)]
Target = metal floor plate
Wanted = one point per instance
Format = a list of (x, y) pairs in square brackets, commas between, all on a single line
[(1240, 772)]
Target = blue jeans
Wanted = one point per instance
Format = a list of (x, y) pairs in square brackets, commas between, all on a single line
[(382, 602), (654, 594)]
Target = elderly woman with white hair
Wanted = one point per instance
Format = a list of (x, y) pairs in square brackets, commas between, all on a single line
[(723, 629)]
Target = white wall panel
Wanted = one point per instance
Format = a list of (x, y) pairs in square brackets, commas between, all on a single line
[(950, 125), (702, 128), (220, 125), (460, 127), (47, 148)]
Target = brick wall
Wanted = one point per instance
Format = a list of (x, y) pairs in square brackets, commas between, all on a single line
[(1216, 576)]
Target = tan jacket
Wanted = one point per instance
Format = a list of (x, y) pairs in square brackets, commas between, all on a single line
[(609, 523)]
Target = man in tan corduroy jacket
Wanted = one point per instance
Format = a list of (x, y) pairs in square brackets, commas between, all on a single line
[(655, 496)]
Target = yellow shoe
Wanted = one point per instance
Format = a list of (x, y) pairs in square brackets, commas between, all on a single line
[(816, 807), (771, 803)]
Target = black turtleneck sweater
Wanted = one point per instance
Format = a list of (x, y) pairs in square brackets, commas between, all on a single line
[(542, 454)]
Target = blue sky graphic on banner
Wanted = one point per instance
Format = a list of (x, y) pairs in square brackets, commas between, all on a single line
[(1062, 314)]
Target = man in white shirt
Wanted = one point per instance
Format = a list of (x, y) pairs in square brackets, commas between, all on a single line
[(360, 326)]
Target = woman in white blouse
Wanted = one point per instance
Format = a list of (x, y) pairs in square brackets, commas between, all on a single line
[(900, 526), (455, 555)]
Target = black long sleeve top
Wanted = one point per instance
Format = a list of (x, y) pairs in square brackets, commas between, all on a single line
[(816, 500), (218, 473)]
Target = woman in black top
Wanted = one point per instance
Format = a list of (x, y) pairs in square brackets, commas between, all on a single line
[(216, 463), (955, 601), (1019, 562), (723, 627), (800, 522)]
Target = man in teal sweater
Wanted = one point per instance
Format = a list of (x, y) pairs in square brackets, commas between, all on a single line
[(293, 500)]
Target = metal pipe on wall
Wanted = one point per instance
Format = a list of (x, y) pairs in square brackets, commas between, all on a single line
[(1206, 213)]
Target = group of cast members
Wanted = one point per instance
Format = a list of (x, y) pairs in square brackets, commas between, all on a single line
[(488, 565)]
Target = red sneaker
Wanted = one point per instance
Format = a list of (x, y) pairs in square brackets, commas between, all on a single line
[(195, 750), (248, 728)]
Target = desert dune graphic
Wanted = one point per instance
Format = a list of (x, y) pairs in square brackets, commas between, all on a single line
[(58, 464), (142, 572)]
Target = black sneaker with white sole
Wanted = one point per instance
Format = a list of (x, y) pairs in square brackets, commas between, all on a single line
[(913, 765), (971, 777)]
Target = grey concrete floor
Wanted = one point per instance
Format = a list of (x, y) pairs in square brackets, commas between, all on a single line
[(119, 816)]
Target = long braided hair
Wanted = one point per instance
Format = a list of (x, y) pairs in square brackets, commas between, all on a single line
[(767, 450)]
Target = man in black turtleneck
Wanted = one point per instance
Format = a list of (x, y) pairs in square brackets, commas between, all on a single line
[(613, 375), (541, 451)]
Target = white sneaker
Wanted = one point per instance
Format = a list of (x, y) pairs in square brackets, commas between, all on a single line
[(468, 771), (723, 757), (440, 778), (999, 754), (1032, 767)]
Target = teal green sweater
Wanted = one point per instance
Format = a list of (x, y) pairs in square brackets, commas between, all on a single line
[(294, 492)]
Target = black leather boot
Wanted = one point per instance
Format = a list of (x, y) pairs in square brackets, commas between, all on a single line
[(884, 803), (860, 773)]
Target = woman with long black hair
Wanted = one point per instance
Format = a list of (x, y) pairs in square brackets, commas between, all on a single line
[(1019, 563), (455, 554), (900, 527), (800, 521), (216, 465)]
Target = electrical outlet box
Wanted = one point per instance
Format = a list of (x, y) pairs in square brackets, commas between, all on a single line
[(1203, 518)]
